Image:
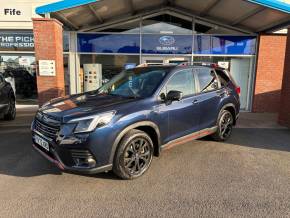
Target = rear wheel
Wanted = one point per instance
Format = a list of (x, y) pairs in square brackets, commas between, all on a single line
[(134, 155), (11, 113), (225, 126)]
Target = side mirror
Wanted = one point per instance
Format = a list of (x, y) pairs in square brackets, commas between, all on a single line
[(174, 95), (162, 96)]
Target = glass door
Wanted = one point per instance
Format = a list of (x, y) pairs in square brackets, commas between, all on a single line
[(240, 70)]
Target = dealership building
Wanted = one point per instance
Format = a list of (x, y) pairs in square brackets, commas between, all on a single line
[(74, 46)]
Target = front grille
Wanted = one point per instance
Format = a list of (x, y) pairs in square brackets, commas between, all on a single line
[(47, 130)]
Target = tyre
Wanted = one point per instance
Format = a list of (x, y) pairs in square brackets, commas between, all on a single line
[(225, 126), (11, 113), (134, 155)]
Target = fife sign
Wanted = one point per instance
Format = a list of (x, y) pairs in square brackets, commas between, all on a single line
[(15, 12)]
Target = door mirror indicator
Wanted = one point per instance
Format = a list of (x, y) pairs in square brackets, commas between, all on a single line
[(174, 95)]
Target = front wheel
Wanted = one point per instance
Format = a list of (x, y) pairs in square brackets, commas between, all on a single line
[(134, 155), (11, 113), (225, 126)]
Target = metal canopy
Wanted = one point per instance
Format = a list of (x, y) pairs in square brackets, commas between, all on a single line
[(249, 16)]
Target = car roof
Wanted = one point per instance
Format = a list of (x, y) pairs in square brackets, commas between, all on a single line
[(170, 68), (166, 68)]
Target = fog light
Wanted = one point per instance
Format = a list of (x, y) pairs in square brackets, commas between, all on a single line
[(85, 162)]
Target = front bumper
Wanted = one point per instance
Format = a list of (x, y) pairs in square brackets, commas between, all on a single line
[(57, 161), (87, 153), (63, 159)]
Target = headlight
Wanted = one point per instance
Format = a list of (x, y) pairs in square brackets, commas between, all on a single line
[(88, 124)]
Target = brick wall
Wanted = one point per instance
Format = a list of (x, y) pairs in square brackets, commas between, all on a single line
[(49, 46), (284, 113), (269, 73)]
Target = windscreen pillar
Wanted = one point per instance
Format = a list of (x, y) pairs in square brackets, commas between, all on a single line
[(48, 43), (284, 113)]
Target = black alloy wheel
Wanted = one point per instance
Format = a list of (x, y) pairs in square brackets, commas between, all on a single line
[(134, 155), (11, 113), (137, 156), (225, 126)]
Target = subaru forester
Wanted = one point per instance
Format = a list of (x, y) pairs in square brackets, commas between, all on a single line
[(134, 116)]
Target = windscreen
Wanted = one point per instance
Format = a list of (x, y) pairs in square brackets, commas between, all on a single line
[(135, 83)]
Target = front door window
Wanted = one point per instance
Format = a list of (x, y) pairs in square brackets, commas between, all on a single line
[(183, 114)]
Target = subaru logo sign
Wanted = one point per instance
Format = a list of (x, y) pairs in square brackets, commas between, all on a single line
[(166, 40)]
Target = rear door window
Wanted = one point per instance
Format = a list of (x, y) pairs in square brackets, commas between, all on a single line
[(182, 81)]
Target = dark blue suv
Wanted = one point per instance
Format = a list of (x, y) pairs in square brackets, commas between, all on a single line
[(134, 116)]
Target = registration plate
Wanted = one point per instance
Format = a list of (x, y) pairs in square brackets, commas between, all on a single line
[(44, 144)]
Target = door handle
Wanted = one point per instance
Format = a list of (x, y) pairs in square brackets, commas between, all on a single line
[(195, 101)]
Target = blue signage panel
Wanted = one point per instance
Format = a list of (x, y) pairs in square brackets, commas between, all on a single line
[(109, 43), (16, 41), (166, 44), (227, 45), (202, 44)]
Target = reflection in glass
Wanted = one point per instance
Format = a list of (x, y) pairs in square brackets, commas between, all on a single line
[(20, 71), (135, 83)]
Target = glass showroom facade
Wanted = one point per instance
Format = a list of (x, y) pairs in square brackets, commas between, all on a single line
[(97, 56), (93, 57), (17, 63)]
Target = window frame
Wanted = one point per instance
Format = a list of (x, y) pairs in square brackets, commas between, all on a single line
[(172, 75), (198, 82)]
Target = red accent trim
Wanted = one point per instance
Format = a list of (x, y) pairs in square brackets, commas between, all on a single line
[(188, 138), (56, 162)]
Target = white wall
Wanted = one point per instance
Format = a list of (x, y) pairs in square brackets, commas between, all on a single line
[(21, 19)]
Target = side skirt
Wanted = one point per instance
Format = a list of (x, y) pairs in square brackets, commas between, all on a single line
[(189, 137)]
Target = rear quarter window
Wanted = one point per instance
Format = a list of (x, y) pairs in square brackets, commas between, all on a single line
[(224, 79)]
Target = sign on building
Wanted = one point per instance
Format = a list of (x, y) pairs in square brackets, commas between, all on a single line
[(17, 41), (24, 61), (93, 76), (224, 64), (15, 12), (46, 67)]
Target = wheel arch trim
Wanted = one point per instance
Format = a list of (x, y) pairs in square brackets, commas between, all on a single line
[(227, 106), (130, 127)]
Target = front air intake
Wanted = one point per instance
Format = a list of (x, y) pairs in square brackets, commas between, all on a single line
[(83, 158)]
